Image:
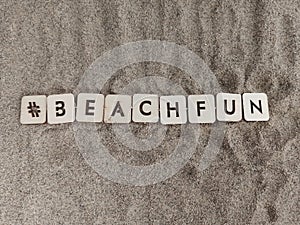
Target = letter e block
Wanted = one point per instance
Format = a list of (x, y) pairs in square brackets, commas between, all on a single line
[(90, 107)]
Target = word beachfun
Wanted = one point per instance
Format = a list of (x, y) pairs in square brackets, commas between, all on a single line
[(145, 108)]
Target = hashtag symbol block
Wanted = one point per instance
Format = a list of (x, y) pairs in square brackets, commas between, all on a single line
[(33, 109)]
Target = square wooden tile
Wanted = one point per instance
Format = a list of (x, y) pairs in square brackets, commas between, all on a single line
[(201, 109), (173, 109), (256, 107), (33, 109), (117, 109), (90, 107), (60, 108), (229, 107), (145, 108)]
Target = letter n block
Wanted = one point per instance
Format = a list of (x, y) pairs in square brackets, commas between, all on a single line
[(255, 107)]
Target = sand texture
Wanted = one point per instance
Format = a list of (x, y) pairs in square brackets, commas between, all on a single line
[(251, 46)]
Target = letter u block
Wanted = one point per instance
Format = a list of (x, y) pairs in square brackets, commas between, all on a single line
[(229, 107)]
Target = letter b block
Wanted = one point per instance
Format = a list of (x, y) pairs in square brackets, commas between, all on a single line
[(60, 108)]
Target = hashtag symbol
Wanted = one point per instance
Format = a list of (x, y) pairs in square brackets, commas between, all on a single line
[(33, 109)]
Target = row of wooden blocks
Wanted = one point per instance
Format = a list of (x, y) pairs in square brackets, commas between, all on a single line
[(145, 108)]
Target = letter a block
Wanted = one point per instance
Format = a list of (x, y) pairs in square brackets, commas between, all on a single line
[(117, 109), (60, 108)]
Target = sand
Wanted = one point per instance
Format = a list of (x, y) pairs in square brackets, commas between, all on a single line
[(251, 46)]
